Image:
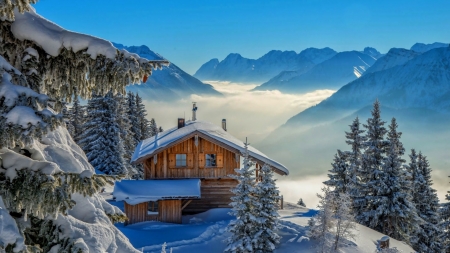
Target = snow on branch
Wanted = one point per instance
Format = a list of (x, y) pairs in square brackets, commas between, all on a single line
[(62, 63), (7, 7)]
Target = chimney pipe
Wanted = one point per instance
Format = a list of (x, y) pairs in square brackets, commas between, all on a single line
[(180, 123), (224, 124), (194, 111)]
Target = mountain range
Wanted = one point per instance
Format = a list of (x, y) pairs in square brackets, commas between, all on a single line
[(333, 73), (168, 84), (411, 85), (236, 68)]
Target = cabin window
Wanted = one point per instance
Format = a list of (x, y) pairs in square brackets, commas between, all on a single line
[(180, 160), (211, 160), (152, 207)]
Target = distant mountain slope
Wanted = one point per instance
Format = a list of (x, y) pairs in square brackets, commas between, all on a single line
[(170, 83), (239, 69), (417, 93), (333, 73), (423, 82), (395, 57), (422, 48)]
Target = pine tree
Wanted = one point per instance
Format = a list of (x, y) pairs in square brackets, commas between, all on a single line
[(101, 139), (371, 168), (301, 203), (37, 81), (266, 207), (339, 177), (394, 213), (444, 225), (126, 135), (153, 128), (427, 237), (354, 157), (242, 229), (76, 121), (322, 224), (344, 219), (132, 115), (143, 122)]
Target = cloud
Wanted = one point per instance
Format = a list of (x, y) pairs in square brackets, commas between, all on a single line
[(249, 114)]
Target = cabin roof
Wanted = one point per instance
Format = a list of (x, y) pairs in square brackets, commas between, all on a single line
[(168, 138), (139, 191)]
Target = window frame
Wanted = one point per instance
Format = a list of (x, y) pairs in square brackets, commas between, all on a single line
[(185, 160), (206, 160), (155, 206)]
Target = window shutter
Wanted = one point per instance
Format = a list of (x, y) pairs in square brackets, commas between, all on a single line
[(171, 160), (201, 160), (190, 160), (219, 160)]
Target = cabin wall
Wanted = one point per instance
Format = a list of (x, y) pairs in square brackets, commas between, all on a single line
[(138, 213), (165, 166), (168, 211), (215, 193)]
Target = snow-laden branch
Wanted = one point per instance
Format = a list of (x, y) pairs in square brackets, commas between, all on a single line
[(9, 7), (62, 63)]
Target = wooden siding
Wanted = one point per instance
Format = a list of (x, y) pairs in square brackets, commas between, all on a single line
[(138, 213), (165, 166), (215, 194), (169, 211)]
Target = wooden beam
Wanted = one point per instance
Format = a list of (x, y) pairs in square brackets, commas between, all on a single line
[(186, 204), (165, 163)]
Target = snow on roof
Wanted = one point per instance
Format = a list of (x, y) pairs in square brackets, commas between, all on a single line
[(155, 144), (139, 191)]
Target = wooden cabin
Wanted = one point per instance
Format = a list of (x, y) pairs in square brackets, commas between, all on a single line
[(197, 151)]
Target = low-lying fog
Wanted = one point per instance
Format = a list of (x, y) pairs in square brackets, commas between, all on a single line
[(255, 115)]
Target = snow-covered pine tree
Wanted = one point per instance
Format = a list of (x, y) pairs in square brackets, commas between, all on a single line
[(339, 178), (242, 229), (444, 225), (43, 194), (126, 136), (153, 127), (356, 140), (101, 139), (301, 202), (344, 219), (141, 114), (76, 121), (322, 224), (132, 115), (266, 207), (392, 211), (371, 167), (427, 237)]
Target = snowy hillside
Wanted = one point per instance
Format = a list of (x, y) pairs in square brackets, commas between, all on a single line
[(236, 68), (205, 233), (395, 57), (170, 83), (333, 73)]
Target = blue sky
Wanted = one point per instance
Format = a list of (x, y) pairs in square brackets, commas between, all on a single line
[(191, 32)]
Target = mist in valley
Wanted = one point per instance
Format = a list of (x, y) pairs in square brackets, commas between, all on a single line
[(307, 151)]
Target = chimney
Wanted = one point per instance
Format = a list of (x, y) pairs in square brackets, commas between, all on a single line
[(224, 124), (180, 123), (194, 111)]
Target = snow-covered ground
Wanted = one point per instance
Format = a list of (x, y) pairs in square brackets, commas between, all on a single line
[(206, 233)]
